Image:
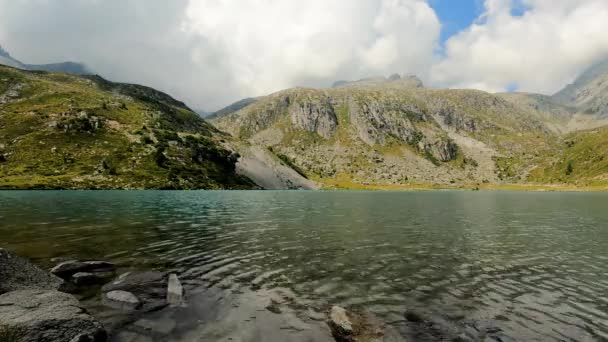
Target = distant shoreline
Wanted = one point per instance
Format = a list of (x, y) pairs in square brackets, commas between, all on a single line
[(362, 187)]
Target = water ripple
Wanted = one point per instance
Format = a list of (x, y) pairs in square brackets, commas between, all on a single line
[(533, 264)]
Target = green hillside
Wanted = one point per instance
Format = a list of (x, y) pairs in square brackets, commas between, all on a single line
[(59, 131)]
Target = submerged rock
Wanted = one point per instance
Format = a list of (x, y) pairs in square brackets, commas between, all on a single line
[(122, 300), (340, 324), (67, 269), (175, 291), (48, 316), (86, 278), (17, 273), (149, 287)]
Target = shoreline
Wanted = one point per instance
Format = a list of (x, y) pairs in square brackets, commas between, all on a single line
[(361, 187), (202, 311)]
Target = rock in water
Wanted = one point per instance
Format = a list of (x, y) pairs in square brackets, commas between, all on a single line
[(17, 273), (340, 324), (149, 287), (122, 300), (86, 278), (175, 291), (68, 268), (48, 316)]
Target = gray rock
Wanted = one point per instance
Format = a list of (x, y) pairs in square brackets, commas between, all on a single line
[(340, 324), (17, 273), (175, 291), (68, 268), (122, 300), (138, 282), (318, 118), (86, 278), (48, 316)]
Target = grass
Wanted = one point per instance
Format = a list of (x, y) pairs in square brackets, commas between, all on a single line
[(581, 160), (65, 131)]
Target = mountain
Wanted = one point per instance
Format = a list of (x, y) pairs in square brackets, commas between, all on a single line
[(67, 67), (393, 133), (80, 132), (394, 80), (7, 59), (232, 108), (589, 92)]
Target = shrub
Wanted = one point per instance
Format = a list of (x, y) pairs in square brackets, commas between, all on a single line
[(569, 168)]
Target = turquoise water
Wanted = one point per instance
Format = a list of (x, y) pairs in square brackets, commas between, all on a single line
[(534, 264)]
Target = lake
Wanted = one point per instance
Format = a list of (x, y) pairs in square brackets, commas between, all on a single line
[(533, 264)]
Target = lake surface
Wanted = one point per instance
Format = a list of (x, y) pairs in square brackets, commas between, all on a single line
[(533, 264)]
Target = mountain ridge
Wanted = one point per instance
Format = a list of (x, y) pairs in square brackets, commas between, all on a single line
[(69, 67), (373, 133)]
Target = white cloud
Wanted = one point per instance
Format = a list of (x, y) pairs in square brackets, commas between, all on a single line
[(273, 44), (540, 51), (210, 52)]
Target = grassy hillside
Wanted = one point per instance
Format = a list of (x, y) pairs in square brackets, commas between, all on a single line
[(582, 159), (63, 131)]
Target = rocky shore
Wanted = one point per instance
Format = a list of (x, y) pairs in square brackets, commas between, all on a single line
[(89, 301)]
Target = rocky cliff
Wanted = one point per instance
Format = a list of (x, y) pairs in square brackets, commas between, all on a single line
[(393, 132)]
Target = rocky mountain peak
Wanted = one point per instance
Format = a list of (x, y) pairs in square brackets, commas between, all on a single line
[(589, 92), (407, 81)]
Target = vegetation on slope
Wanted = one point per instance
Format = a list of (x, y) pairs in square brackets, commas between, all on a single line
[(581, 159), (61, 131)]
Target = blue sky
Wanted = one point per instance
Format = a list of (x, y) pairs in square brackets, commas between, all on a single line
[(456, 15)]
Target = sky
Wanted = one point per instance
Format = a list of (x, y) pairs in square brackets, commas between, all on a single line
[(210, 53)]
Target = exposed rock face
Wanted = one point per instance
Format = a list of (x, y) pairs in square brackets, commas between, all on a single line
[(48, 316), (444, 150), (376, 120), (315, 117), (17, 273)]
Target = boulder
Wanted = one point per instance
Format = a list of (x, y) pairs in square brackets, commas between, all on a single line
[(122, 300), (340, 324), (17, 273), (48, 316), (175, 291), (67, 269)]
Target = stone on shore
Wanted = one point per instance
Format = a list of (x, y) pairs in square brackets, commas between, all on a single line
[(67, 269), (340, 324), (17, 273), (48, 316), (122, 300), (175, 291)]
